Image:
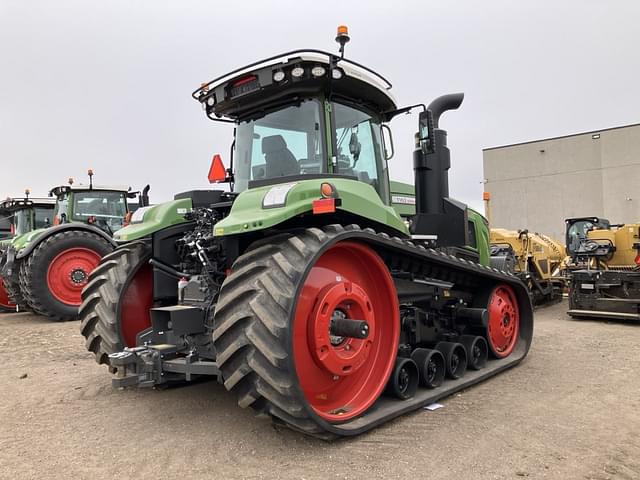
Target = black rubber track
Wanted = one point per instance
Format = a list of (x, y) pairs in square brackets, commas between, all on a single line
[(99, 310), (33, 271), (258, 300)]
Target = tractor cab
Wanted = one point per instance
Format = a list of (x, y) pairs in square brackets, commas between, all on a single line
[(581, 244), (22, 215), (102, 206), (312, 115), (304, 114)]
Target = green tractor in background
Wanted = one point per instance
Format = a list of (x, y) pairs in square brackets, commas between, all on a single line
[(46, 269), (19, 216), (321, 293)]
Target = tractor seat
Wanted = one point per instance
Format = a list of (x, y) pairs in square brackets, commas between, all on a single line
[(279, 159)]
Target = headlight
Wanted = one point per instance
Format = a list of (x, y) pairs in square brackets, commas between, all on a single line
[(277, 196), (278, 76), (336, 74), (297, 72), (318, 71)]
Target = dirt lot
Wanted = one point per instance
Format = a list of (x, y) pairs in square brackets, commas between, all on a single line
[(571, 410)]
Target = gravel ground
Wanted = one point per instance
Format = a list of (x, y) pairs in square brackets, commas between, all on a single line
[(571, 410)]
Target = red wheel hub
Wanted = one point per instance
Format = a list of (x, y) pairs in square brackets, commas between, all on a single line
[(68, 273), (341, 377), (341, 356), (504, 321), (4, 297), (135, 303)]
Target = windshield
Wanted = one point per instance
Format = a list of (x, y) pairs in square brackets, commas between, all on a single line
[(577, 234), (280, 144), (103, 208), (359, 148), (43, 217)]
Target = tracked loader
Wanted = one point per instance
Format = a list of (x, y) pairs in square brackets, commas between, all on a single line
[(604, 272), (304, 290), (535, 258)]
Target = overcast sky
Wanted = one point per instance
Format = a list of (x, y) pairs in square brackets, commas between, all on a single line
[(107, 84)]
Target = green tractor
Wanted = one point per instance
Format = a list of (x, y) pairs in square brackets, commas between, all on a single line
[(316, 290), (46, 269), (19, 216)]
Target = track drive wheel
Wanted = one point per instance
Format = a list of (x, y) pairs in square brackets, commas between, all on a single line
[(116, 301), (503, 325), (275, 336), (6, 305), (54, 274)]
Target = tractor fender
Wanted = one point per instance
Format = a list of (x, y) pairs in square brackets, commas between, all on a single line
[(63, 228), (265, 207)]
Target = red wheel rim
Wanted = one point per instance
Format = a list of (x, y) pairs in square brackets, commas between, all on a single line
[(68, 273), (504, 321), (341, 378), (4, 297), (135, 304)]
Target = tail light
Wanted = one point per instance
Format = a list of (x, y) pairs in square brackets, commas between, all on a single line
[(56, 220), (638, 259)]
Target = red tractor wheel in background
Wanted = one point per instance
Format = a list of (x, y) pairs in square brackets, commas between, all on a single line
[(116, 301), (53, 275), (503, 324), (5, 303)]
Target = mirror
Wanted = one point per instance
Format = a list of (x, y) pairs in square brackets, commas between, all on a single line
[(423, 125), (387, 141)]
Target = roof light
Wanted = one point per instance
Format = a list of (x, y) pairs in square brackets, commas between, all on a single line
[(278, 76), (211, 101), (343, 30), (336, 73), (318, 71), (297, 72), (243, 80)]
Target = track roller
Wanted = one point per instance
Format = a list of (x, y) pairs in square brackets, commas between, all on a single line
[(477, 351), (455, 356), (431, 366), (404, 379)]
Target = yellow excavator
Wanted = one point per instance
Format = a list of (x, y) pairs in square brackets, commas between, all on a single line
[(535, 258), (604, 268)]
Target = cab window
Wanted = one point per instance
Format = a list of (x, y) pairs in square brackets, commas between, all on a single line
[(99, 207), (471, 227), (43, 217), (286, 142), (359, 148)]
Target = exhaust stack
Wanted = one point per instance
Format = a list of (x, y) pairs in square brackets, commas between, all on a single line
[(436, 213)]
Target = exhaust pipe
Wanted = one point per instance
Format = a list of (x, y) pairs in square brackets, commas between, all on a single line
[(436, 213)]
